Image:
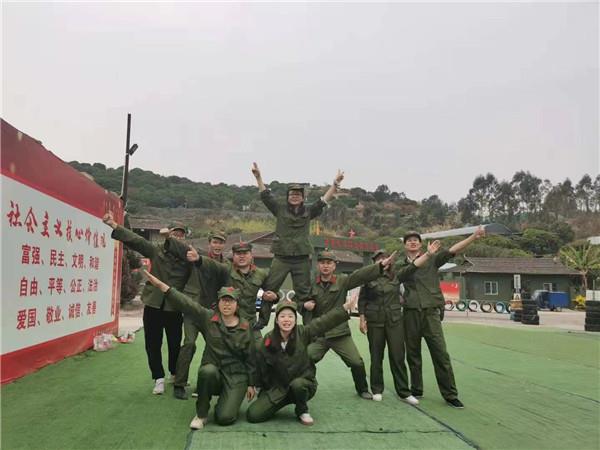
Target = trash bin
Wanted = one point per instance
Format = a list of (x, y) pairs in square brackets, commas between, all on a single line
[(558, 300)]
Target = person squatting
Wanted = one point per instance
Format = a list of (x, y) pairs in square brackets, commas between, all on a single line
[(208, 295)]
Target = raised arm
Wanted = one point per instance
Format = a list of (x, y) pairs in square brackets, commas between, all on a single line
[(403, 271), (334, 187), (180, 301), (258, 176), (132, 240), (369, 273), (330, 320), (462, 245)]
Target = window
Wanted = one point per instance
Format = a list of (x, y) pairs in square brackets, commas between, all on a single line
[(549, 287), (490, 287)]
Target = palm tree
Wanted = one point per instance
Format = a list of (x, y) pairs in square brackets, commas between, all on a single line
[(582, 259)]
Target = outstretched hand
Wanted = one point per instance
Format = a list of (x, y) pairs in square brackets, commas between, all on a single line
[(109, 220), (433, 247), (192, 254), (479, 232), (339, 177), (164, 287), (388, 262), (351, 303), (255, 171), (250, 393)]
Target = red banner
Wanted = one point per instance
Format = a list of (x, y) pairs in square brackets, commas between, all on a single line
[(450, 290), (61, 271)]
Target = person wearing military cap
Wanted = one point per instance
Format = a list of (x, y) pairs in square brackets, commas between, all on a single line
[(286, 374), (328, 292), (174, 227), (207, 275), (228, 367), (158, 315), (381, 320), (423, 313), (291, 246), (249, 279)]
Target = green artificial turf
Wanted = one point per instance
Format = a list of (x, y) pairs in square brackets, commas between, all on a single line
[(523, 388)]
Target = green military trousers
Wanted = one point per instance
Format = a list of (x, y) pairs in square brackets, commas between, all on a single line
[(300, 391), (212, 382), (346, 349), (187, 351), (299, 268), (393, 335), (427, 324)]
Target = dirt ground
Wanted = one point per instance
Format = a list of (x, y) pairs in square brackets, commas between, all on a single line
[(564, 320), (130, 318)]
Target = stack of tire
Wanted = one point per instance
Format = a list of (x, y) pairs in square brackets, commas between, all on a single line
[(529, 313), (592, 315)]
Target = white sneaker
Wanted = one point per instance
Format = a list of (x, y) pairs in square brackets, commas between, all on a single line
[(159, 386), (377, 397), (198, 423), (410, 400), (195, 394), (306, 419)]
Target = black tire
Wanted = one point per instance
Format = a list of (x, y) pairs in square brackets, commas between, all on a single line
[(595, 328), (529, 302), (592, 315), (528, 317), (448, 305), (592, 305), (508, 309), (499, 307), (486, 307), (535, 321), (473, 305), (517, 317), (461, 305), (592, 321)]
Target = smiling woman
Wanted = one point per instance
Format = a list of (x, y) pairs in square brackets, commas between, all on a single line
[(286, 373)]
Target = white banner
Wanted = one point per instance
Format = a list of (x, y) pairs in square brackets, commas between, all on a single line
[(57, 268)]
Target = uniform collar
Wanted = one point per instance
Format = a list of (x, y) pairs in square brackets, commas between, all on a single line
[(332, 280), (243, 324), (218, 258), (250, 272)]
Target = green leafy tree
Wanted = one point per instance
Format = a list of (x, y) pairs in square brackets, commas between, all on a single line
[(583, 259), (539, 242)]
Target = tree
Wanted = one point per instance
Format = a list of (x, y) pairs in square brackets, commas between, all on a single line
[(433, 211), (527, 191), (382, 193), (583, 259), (539, 242), (467, 208), (483, 193), (584, 192), (505, 204)]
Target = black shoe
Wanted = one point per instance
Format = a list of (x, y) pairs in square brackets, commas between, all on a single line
[(417, 394), (455, 403), (180, 393)]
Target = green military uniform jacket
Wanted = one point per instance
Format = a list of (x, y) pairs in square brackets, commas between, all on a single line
[(248, 285), (422, 289), (379, 300), (328, 296), (278, 367), (230, 349), (164, 265), (207, 276), (291, 230)]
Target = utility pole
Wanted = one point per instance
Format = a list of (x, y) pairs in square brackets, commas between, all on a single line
[(129, 151)]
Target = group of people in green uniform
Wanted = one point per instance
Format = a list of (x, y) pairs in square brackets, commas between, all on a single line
[(207, 294)]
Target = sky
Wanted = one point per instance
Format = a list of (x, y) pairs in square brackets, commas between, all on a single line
[(422, 97)]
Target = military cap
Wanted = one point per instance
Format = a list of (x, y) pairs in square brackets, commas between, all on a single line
[(229, 292), (411, 234), (241, 247), (174, 226), (379, 253), (295, 187), (286, 304), (326, 254), (217, 234)]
